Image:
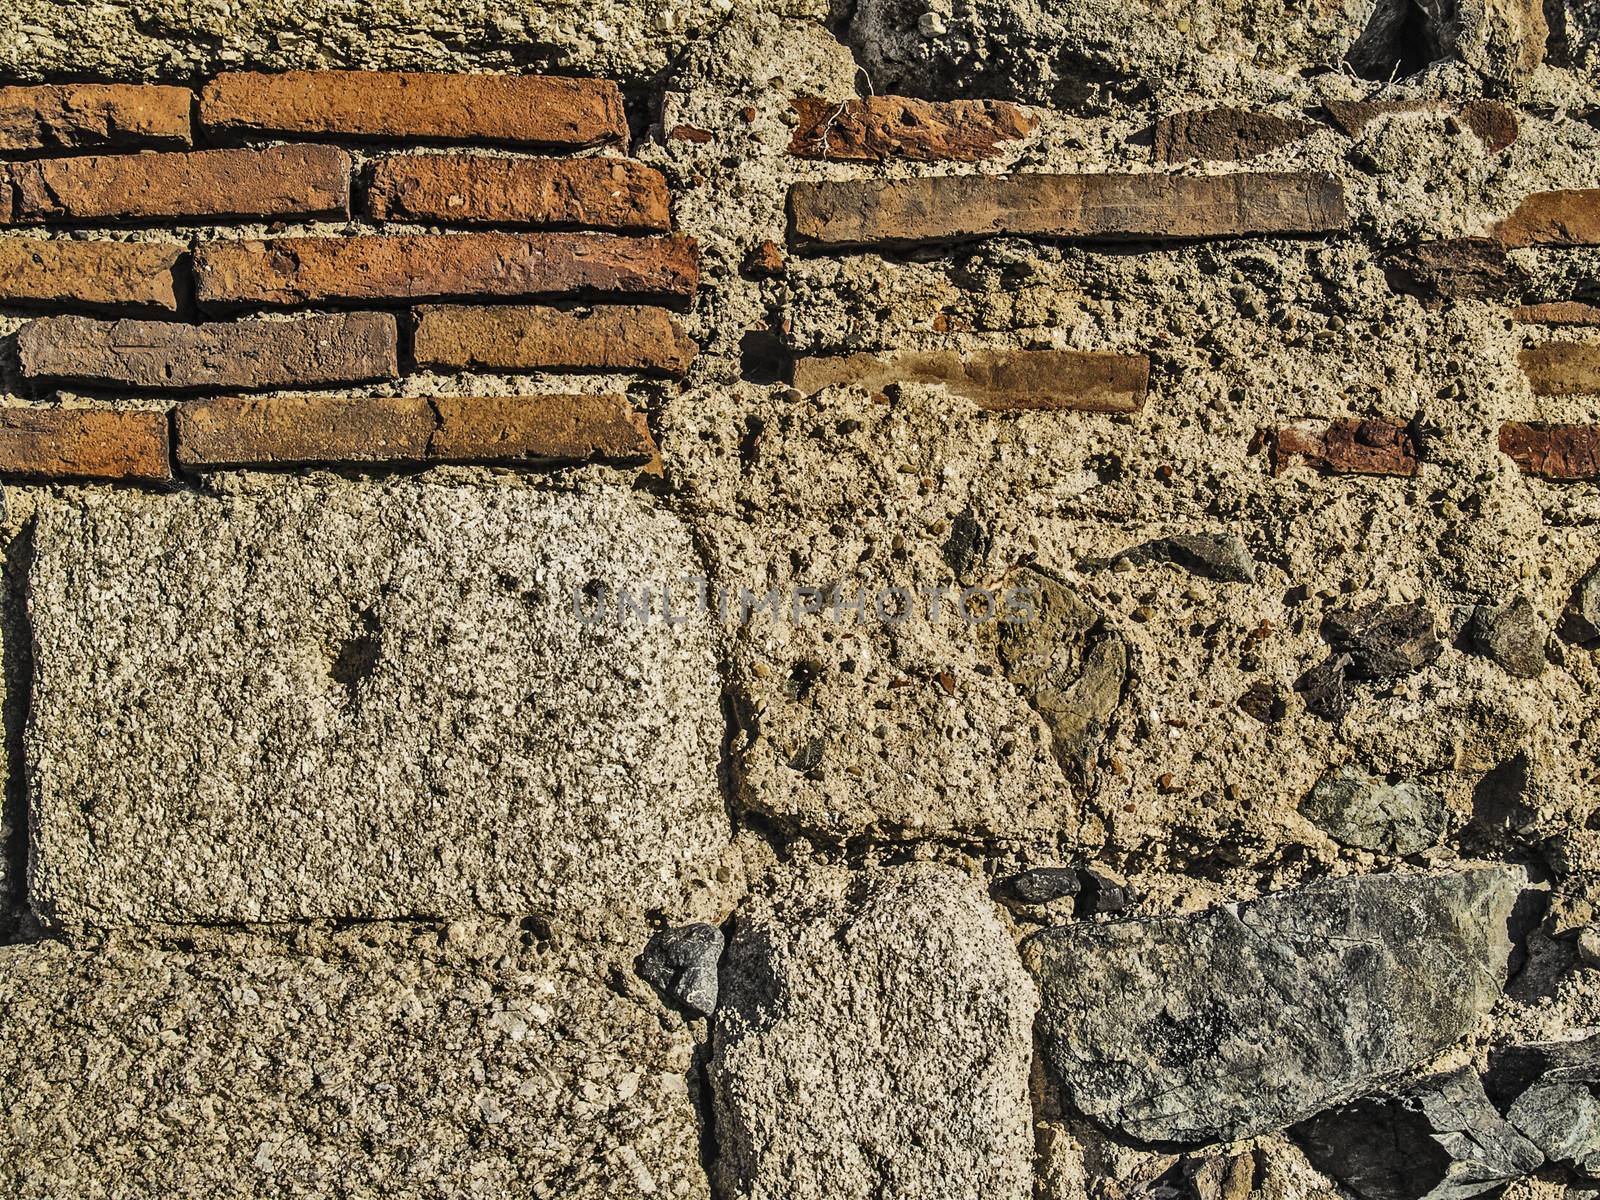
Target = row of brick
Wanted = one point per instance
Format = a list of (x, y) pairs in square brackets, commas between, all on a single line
[(1562, 453), (512, 110), (213, 434), (311, 182), (329, 349)]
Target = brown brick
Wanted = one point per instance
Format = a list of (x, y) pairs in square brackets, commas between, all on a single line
[(1495, 124), (73, 115), (73, 443), (540, 429), (1000, 380), (1225, 135), (284, 181), (525, 110), (99, 275), (1348, 447), (168, 356), (884, 127), (1454, 269), (287, 431), (1094, 207), (1562, 368), (601, 193), (1563, 218), (1560, 312), (1558, 452), (510, 338), (301, 270)]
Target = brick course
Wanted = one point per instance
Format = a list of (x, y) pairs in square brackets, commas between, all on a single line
[(1225, 134), (301, 270), (1556, 452), (511, 429), (525, 110), (1494, 123), (601, 193), (1000, 380), (282, 431), (607, 337), (72, 443), (1560, 312), (92, 274), (879, 128), (305, 351), (1569, 217), (1350, 446), (77, 115)]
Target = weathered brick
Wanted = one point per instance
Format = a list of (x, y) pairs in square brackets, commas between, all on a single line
[(1562, 368), (82, 443), (1000, 380), (97, 274), (608, 337), (258, 431), (1570, 217), (286, 271), (526, 110), (1494, 123), (1556, 452), (1092, 207), (601, 193), (1350, 446), (1559, 312), (884, 127), (283, 181), (1225, 134), (58, 116), (168, 356), (540, 429), (1454, 269)]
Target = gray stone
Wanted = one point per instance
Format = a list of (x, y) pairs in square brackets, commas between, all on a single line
[(1044, 884), (681, 964), (873, 1040), (476, 1068), (1580, 620), (1551, 1092), (1440, 1140), (364, 701), (1250, 1017), (1356, 809), (1513, 635), (1102, 892), (1220, 556)]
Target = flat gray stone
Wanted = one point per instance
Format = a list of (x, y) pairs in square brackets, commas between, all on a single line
[(1356, 809), (488, 1069), (364, 701), (1250, 1017), (873, 1039)]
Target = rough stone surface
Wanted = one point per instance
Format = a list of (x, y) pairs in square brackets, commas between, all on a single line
[(1562, 368), (168, 356), (515, 109), (219, 185), (1091, 207), (1441, 1140), (1580, 619), (1375, 643), (123, 276), (412, 716), (1041, 885), (302, 270), (71, 443), (374, 1066), (682, 964), (1348, 447), (873, 1040), (1013, 381), (76, 115), (1355, 809), (522, 338), (463, 189), (1555, 452), (1551, 1093), (1225, 134), (251, 431), (1463, 268), (1569, 217), (1513, 635), (539, 429), (878, 128), (1250, 1017)]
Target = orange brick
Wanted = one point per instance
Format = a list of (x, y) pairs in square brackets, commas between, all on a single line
[(256, 431), (79, 115), (71, 443), (1570, 217), (513, 338), (470, 189), (1000, 380), (96, 274), (1348, 447), (1561, 453), (511, 429), (883, 127)]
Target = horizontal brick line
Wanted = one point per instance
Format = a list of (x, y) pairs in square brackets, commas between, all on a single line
[(1561, 453), (127, 446), (614, 194)]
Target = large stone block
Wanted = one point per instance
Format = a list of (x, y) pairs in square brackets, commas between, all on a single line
[(484, 1068), (364, 701), (873, 1039)]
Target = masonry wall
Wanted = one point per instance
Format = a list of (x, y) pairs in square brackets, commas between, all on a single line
[(730, 600)]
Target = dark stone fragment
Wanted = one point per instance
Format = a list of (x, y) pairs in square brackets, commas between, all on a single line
[(681, 964), (1455, 269), (1580, 621), (1220, 556), (1512, 635), (1324, 688), (1044, 884), (1551, 1092), (1385, 640), (967, 544), (1264, 702), (1100, 893)]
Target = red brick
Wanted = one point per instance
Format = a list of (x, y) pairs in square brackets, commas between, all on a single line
[(525, 110), (512, 338), (1556, 452), (98, 275), (1000, 380), (883, 127), (1225, 135), (601, 193), (284, 181), (1090, 207), (1562, 368), (1563, 218), (307, 351), (1349, 446), (289, 431), (1560, 312), (301, 270), (73, 443), (513, 429), (76, 115), (1495, 124)]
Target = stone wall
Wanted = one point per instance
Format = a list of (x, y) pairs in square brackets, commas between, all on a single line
[(730, 600)]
